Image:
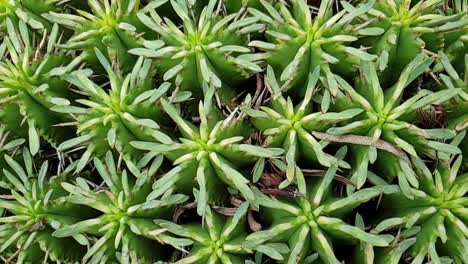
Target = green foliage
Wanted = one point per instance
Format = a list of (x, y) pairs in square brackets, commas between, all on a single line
[(289, 127), (210, 49), (35, 208), (125, 226), (385, 117), (211, 154), (451, 79), (28, 11), (221, 239), (31, 85), (438, 212), (111, 26), (244, 132), (298, 44), (407, 29), (8, 146), (118, 115), (309, 222)]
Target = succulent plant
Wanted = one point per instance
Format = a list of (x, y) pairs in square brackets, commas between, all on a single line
[(291, 127), (311, 219), (220, 239), (116, 116), (438, 211), (455, 111), (211, 49), (35, 208), (9, 146), (162, 135), (28, 11), (457, 107), (111, 26), (455, 42), (234, 6), (31, 86), (297, 44), (125, 229), (364, 252), (209, 156), (387, 130), (409, 28)]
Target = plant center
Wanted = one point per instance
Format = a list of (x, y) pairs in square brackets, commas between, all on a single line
[(195, 41)]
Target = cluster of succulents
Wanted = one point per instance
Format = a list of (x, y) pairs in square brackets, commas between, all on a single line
[(233, 131)]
